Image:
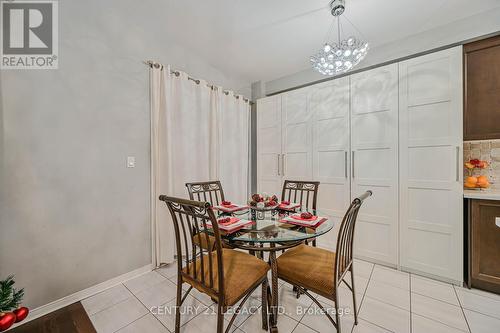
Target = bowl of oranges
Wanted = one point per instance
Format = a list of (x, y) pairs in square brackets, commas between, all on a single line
[(477, 182)]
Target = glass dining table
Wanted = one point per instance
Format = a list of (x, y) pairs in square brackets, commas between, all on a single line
[(268, 234)]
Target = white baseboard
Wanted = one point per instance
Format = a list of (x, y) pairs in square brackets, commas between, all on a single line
[(82, 294)]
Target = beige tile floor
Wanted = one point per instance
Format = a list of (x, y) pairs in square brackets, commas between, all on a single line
[(389, 301)]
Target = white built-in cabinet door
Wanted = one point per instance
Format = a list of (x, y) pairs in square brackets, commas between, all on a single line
[(297, 139), (374, 159), (269, 144), (431, 164), (329, 107)]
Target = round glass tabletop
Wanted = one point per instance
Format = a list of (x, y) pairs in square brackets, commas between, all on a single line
[(269, 229)]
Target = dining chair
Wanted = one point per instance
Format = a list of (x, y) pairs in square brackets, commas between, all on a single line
[(209, 191), (321, 271), (226, 275), (303, 192)]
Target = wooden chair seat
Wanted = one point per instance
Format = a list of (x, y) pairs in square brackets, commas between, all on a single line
[(210, 245), (309, 267), (242, 272), (204, 244)]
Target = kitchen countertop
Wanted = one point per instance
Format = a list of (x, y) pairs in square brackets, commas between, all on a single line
[(488, 194)]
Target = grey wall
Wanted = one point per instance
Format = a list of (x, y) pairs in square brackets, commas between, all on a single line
[(477, 25), (71, 214)]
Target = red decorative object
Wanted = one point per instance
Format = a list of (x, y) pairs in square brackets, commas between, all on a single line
[(224, 220), (270, 203), (21, 313), (286, 203), (266, 200), (6, 320), (257, 197), (226, 203), (306, 215), (475, 163)]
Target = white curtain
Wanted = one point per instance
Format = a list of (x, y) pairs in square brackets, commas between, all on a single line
[(234, 131), (197, 134)]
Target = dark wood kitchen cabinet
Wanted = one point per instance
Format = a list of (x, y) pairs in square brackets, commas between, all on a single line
[(482, 89), (484, 226)]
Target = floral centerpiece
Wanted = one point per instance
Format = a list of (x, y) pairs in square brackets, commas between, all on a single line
[(263, 201)]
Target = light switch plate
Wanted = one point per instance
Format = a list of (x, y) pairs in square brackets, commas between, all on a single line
[(130, 161)]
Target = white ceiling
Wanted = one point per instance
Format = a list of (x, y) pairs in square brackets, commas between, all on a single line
[(268, 39)]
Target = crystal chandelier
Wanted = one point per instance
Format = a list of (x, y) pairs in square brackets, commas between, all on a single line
[(339, 57)]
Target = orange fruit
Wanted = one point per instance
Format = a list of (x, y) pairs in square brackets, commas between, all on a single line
[(484, 185), (471, 180), (482, 179), (470, 185)]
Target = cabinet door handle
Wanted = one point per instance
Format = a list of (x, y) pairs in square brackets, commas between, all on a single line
[(283, 164), (352, 163), (345, 163), (458, 163), (278, 155)]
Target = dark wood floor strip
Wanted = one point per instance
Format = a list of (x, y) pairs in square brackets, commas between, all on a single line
[(70, 319)]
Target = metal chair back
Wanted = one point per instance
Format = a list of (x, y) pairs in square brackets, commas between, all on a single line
[(210, 191), (345, 240), (191, 220), (303, 192)]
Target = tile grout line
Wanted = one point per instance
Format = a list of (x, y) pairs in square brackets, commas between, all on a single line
[(462, 308), (108, 307), (438, 321), (364, 293), (484, 294), (436, 299), (149, 311), (363, 298), (476, 311), (395, 306), (484, 314), (134, 322), (384, 328), (418, 314), (295, 327)]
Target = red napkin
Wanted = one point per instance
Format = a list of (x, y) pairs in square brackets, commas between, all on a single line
[(286, 205), (303, 224), (228, 221), (300, 218)]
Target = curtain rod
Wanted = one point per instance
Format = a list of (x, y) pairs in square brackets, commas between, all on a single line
[(157, 65)]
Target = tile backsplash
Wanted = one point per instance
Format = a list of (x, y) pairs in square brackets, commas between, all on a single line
[(487, 150)]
